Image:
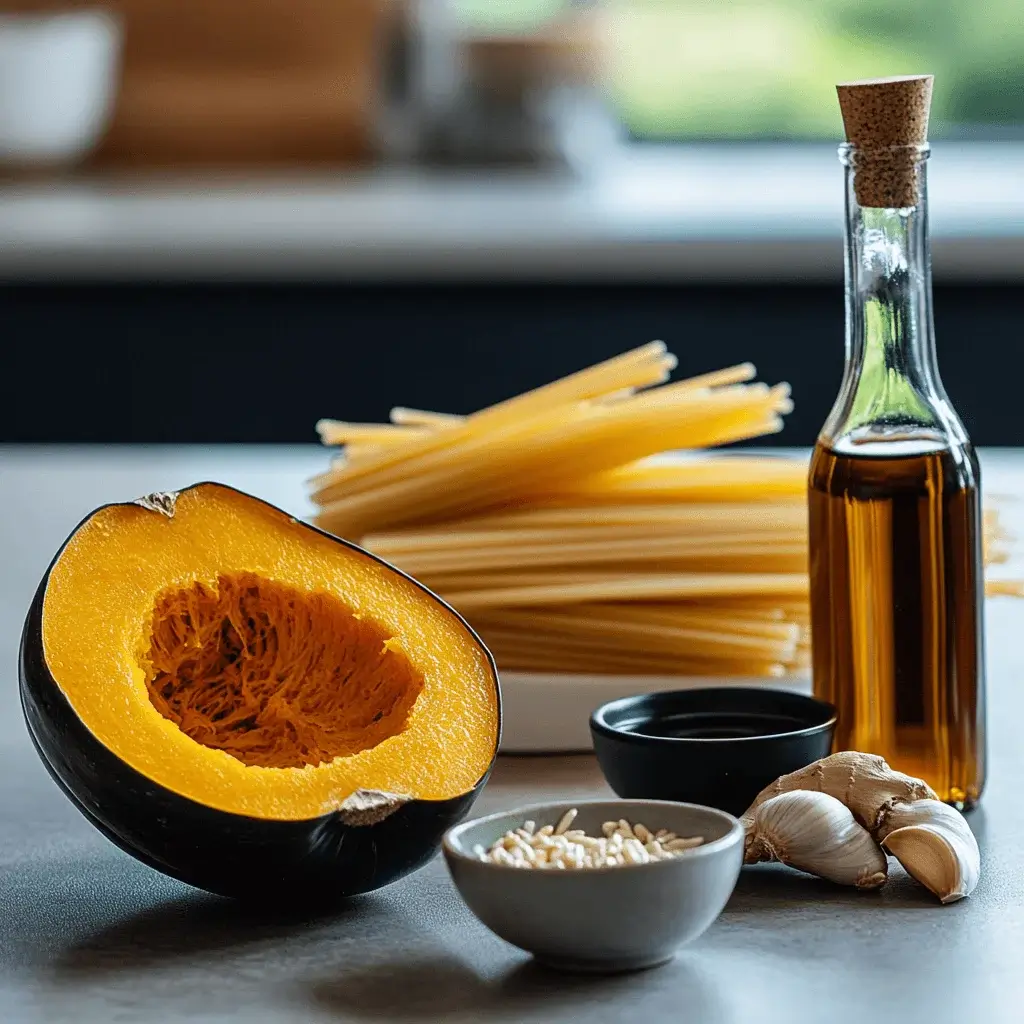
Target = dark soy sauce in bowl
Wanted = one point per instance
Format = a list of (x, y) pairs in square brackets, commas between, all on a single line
[(718, 746), (714, 726)]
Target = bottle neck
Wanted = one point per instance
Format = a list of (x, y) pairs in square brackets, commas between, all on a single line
[(891, 389)]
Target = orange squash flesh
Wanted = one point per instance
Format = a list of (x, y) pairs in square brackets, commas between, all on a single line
[(277, 677), (250, 664)]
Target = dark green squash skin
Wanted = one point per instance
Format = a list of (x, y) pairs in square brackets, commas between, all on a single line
[(318, 861)]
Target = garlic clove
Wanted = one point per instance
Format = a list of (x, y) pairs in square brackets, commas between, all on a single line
[(863, 782), (936, 846), (816, 833), (926, 812)]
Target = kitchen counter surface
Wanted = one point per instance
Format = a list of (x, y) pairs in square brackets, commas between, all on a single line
[(89, 935), (693, 213)]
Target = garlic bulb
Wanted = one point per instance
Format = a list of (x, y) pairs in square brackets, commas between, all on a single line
[(816, 833), (930, 839), (935, 845), (863, 782)]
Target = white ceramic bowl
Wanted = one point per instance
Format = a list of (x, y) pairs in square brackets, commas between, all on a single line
[(58, 79)]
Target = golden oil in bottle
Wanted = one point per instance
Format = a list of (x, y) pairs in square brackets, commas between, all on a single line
[(894, 493), (896, 591)]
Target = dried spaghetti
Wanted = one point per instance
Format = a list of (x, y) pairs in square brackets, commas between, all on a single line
[(556, 525)]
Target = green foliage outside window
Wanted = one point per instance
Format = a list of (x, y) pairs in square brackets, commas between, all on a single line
[(765, 68)]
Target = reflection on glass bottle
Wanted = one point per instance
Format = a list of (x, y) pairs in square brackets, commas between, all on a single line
[(895, 514)]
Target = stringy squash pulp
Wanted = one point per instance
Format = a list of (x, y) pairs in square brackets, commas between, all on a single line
[(255, 666)]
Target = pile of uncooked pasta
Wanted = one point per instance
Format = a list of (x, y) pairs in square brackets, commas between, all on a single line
[(589, 526)]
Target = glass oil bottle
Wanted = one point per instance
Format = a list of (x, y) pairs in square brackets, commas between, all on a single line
[(894, 495)]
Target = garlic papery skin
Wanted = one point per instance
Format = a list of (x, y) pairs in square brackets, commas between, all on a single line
[(816, 833), (935, 845), (863, 782)]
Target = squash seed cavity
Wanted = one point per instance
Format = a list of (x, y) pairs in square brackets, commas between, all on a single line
[(275, 676)]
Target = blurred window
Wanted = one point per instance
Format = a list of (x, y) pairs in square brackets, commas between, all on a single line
[(683, 69)]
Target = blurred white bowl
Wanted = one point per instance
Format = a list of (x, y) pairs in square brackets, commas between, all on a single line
[(58, 78)]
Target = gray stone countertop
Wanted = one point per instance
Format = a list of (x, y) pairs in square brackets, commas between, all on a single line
[(89, 935)]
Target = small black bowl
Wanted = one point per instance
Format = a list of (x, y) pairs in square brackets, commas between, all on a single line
[(718, 746)]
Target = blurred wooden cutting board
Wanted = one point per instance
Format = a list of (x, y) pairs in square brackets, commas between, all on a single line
[(256, 82)]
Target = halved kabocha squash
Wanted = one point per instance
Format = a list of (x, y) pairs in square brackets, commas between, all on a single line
[(251, 705)]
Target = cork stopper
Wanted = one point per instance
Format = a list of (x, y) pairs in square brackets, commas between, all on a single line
[(887, 120)]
